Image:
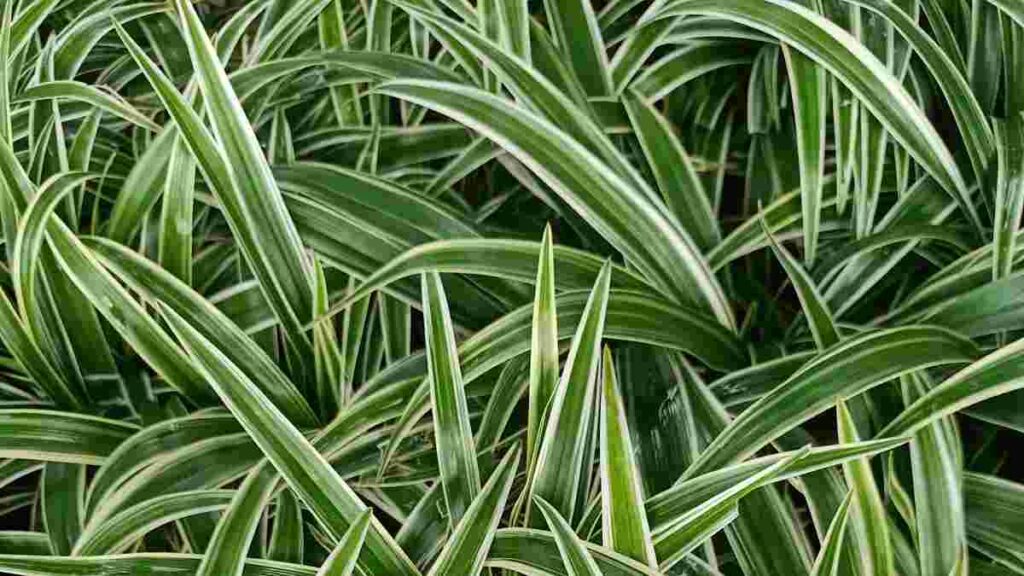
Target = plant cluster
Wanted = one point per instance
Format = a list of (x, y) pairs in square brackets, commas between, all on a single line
[(555, 288)]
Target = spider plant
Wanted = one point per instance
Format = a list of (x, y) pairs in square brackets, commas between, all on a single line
[(559, 288)]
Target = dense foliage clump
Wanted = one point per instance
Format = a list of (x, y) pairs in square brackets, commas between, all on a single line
[(461, 287)]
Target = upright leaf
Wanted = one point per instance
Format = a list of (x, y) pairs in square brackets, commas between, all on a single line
[(229, 546), (308, 474), (807, 82), (467, 548), (575, 30), (342, 561), (867, 499), (456, 455), (575, 556), (938, 488), (252, 200), (62, 500), (827, 563), (819, 318), (1009, 200), (286, 541), (174, 247), (543, 348), (561, 454), (624, 521)]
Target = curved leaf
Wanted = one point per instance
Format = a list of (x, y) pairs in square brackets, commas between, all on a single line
[(853, 63), (622, 215), (843, 370)]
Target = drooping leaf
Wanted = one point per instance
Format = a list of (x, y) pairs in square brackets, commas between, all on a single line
[(622, 215), (845, 369)]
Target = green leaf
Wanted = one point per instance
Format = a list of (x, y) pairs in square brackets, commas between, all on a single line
[(171, 564), (218, 258), (561, 453), (472, 157), (425, 528), (827, 562), (845, 121), (230, 542), (286, 540), (30, 16), (342, 561), (148, 279), (276, 39), (526, 550), (501, 258), (808, 87), (308, 474), (470, 542), (508, 259), (20, 343), (679, 537), (819, 318), (32, 233), (995, 374), (515, 21), (120, 531), (52, 436), (6, 20), (330, 361), (624, 522), (846, 369), (456, 454), (966, 110), (673, 171), (151, 444), (851, 62), (24, 542), (77, 40), (543, 350), (574, 28), (72, 90), (127, 316), (395, 320), (1009, 200), (240, 176), (625, 217), (204, 465), (331, 30), (62, 498), (687, 64), (577, 559), (781, 215), (630, 316), (174, 249), (867, 498), (141, 187), (994, 508), (938, 488)]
